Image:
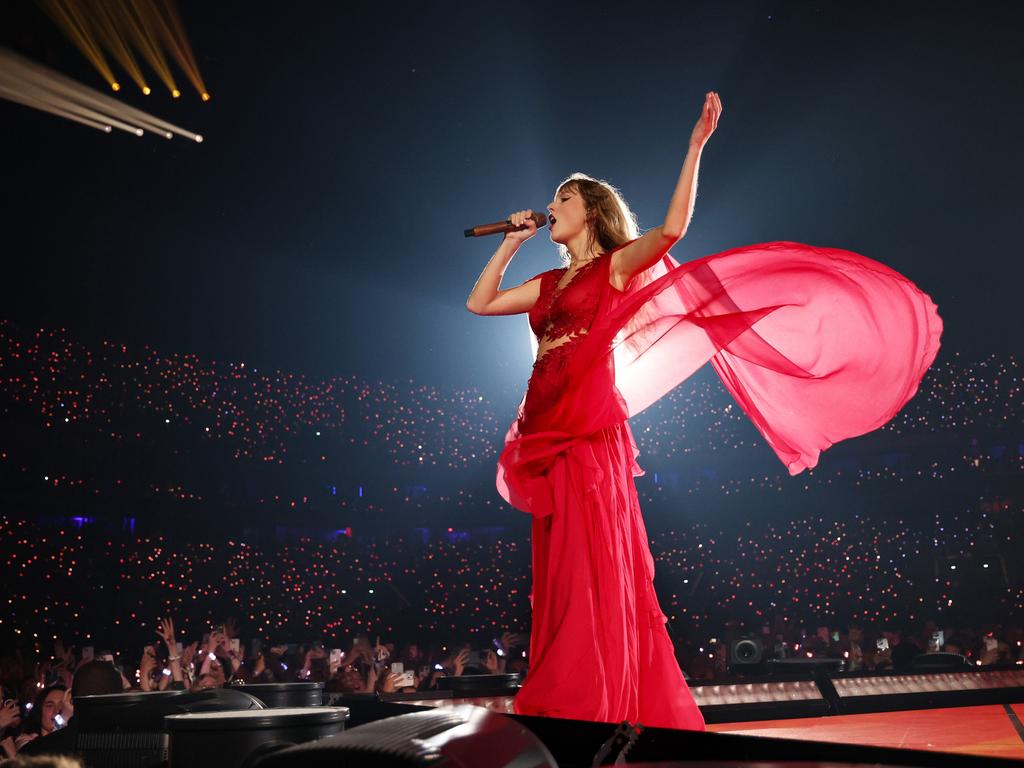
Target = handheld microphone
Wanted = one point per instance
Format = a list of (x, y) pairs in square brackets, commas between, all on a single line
[(503, 226)]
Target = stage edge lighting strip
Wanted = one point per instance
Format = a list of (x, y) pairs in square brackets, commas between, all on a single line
[(746, 693), (928, 683)]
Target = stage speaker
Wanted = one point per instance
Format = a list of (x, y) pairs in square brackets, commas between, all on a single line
[(303, 694), (461, 737), (133, 710), (746, 653), (128, 730), (241, 739)]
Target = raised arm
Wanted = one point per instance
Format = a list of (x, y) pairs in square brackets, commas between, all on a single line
[(487, 298), (655, 243)]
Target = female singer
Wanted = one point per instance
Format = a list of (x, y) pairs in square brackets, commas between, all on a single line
[(815, 344)]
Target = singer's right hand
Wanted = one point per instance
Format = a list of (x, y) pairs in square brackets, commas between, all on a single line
[(519, 218)]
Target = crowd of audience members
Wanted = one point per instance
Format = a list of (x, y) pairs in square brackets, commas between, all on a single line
[(128, 394), (255, 414), (39, 690), (110, 425), (39, 693), (863, 567), (872, 589)]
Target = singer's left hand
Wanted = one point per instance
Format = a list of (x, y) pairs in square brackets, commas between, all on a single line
[(708, 121)]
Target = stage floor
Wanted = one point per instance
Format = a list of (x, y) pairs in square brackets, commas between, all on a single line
[(993, 730)]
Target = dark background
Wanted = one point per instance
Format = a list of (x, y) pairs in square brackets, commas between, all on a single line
[(319, 226)]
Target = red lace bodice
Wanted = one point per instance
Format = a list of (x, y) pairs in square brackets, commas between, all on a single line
[(566, 311), (561, 319)]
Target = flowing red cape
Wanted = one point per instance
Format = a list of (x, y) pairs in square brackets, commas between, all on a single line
[(815, 344)]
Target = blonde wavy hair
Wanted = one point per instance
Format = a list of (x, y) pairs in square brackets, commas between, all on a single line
[(611, 222)]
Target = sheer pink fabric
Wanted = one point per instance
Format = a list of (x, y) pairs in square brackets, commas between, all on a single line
[(815, 344)]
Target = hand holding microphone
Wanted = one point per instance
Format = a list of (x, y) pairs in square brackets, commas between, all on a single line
[(523, 225), (519, 226)]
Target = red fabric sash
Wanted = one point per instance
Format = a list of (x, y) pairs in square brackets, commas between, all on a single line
[(815, 344)]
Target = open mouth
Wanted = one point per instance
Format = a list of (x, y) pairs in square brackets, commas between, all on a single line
[(551, 220)]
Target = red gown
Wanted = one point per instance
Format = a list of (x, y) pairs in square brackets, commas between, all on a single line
[(815, 344)]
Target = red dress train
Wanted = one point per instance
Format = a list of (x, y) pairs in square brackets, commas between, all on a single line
[(815, 344)]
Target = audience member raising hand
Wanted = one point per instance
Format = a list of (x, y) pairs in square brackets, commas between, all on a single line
[(165, 629), (147, 666)]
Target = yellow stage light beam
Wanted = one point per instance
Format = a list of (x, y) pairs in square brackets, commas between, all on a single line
[(68, 18), (142, 12), (44, 107), (167, 21), (43, 84), (176, 29), (105, 25), (132, 24)]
